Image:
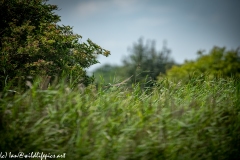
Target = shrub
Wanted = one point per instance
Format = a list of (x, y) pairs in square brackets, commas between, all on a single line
[(218, 63)]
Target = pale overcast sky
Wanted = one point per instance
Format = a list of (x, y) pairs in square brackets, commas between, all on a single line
[(186, 25)]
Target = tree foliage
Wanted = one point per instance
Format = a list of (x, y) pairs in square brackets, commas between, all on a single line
[(219, 62), (32, 43), (145, 63)]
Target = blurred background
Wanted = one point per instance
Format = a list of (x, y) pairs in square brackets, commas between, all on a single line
[(183, 27)]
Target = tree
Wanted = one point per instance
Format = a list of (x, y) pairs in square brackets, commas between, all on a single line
[(145, 63), (219, 62), (33, 44)]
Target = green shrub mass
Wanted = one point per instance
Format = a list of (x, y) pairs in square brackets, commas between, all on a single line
[(196, 120), (218, 62)]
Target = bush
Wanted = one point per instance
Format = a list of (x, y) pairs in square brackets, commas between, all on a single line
[(218, 63)]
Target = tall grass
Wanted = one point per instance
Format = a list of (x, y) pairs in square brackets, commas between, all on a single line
[(197, 120)]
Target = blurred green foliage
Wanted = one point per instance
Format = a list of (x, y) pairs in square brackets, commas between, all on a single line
[(198, 120), (109, 74), (145, 62), (219, 62), (143, 65), (32, 43)]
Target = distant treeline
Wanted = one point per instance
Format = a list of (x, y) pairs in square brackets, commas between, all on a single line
[(145, 64)]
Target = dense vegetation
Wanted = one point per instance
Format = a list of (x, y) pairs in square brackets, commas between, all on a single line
[(33, 44), (146, 65), (197, 120), (190, 111), (218, 62), (143, 65)]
